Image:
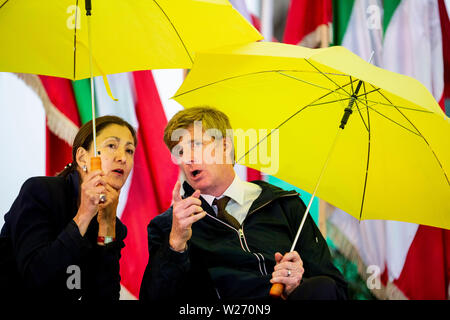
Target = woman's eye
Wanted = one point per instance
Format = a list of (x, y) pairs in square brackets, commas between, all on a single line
[(111, 145), (130, 151)]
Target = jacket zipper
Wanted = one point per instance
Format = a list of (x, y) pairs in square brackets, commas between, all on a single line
[(243, 241), (257, 254), (238, 231)]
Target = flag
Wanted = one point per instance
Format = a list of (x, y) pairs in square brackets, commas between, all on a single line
[(59, 151), (413, 46), (307, 23), (405, 37)]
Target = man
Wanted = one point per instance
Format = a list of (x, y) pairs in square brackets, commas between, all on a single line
[(223, 238)]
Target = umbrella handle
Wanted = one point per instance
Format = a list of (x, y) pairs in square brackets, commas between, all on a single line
[(276, 290), (96, 163)]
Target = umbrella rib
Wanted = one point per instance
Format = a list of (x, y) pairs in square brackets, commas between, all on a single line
[(368, 155), (315, 85), (369, 107), (278, 127), (254, 73), (420, 134), (326, 76), (394, 106), (222, 80), (365, 94), (312, 71), (3, 4), (328, 102), (359, 112), (175, 29), (390, 103)]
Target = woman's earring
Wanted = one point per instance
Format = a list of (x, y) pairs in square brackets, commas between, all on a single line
[(84, 168)]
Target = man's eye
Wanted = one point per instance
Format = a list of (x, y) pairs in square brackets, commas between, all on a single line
[(177, 151), (111, 145)]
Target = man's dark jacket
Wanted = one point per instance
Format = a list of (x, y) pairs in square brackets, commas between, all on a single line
[(222, 262), (39, 241)]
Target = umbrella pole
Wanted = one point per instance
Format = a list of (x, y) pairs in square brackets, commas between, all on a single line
[(277, 288), (96, 163)]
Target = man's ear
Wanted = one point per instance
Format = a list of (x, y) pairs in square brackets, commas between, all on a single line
[(82, 157)]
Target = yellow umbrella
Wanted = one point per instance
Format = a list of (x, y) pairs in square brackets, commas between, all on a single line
[(51, 37), (371, 142), (73, 39), (392, 160)]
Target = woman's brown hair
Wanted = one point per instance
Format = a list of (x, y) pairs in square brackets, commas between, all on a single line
[(84, 138)]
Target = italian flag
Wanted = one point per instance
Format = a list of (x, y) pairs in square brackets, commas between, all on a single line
[(413, 261)]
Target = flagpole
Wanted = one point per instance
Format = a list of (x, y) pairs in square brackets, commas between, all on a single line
[(267, 20)]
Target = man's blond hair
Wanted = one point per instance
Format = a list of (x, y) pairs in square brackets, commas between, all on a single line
[(211, 119)]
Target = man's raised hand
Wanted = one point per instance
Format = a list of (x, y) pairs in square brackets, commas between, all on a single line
[(185, 213)]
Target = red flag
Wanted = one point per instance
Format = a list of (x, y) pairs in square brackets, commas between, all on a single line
[(58, 151), (426, 272), (303, 19), (152, 181)]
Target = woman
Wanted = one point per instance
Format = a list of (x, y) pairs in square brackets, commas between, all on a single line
[(59, 240)]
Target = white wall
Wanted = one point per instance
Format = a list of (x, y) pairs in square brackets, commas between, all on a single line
[(22, 138)]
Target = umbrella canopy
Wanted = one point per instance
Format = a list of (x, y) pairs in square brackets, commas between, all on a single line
[(51, 37), (392, 159)]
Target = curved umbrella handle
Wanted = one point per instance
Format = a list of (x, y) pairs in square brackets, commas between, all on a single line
[(276, 290)]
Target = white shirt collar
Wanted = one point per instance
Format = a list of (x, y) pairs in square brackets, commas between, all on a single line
[(235, 191)]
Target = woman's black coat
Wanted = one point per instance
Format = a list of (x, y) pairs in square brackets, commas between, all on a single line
[(44, 256)]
